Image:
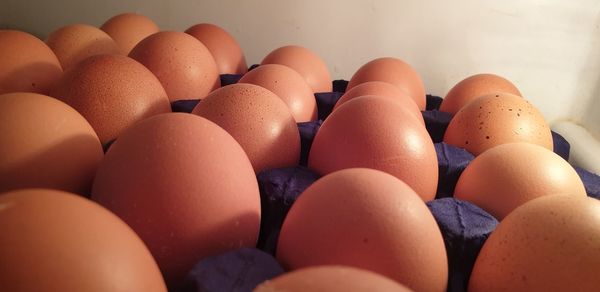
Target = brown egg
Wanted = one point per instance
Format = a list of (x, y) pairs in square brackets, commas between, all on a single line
[(128, 29), (382, 89), (376, 132), (393, 71), (56, 241), (548, 244), (368, 219), (45, 143), (224, 48), (497, 119), (289, 86), (330, 279), (28, 64), (507, 176), (73, 43), (304, 61), (259, 120), (183, 64), (473, 87), (112, 92), (185, 186)]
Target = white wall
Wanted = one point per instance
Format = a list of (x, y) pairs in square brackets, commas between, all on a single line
[(549, 48)]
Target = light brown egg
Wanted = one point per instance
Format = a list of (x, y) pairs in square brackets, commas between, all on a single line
[(289, 86), (548, 244), (304, 61), (367, 219), (128, 29), (184, 66), (112, 92), (331, 279), (44, 143), (224, 48), (497, 119), (57, 241), (376, 132), (73, 43), (473, 87), (28, 64), (393, 71), (259, 120), (509, 175), (382, 89), (185, 186)]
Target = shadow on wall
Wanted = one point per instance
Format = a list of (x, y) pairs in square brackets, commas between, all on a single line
[(591, 115)]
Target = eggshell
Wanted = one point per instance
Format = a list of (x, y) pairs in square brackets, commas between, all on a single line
[(382, 89), (112, 92), (304, 61), (185, 186), (393, 71), (28, 64), (73, 43), (259, 120), (224, 48), (45, 143), (548, 244), (375, 132), (289, 86), (329, 279), (367, 219), (473, 87), (55, 241), (128, 29), (497, 119), (184, 66), (506, 176)]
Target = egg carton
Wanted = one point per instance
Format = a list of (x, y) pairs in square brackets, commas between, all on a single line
[(464, 226)]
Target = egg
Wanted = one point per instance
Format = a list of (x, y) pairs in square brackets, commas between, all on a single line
[(224, 48), (393, 71), (28, 64), (331, 278), (496, 119), (548, 244), (44, 143), (73, 43), (185, 186), (259, 120), (473, 87), (128, 29), (304, 61), (376, 132), (367, 219), (289, 86), (184, 66), (57, 241), (382, 89), (112, 102), (507, 176)]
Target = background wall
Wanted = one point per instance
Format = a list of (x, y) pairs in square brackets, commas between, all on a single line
[(549, 48)]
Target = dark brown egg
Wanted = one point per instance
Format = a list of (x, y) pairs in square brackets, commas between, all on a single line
[(44, 143), (289, 86), (184, 66), (28, 64), (224, 48), (73, 43), (56, 241), (304, 61), (112, 92), (259, 120), (128, 29), (394, 71)]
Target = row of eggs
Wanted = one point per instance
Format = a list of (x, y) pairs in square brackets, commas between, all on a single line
[(175, 192)]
